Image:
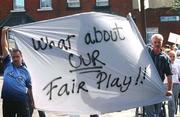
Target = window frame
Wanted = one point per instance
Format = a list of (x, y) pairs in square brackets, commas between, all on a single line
[(73, 2), (16, 8), (98, 2), (47, 7), (149, 32)]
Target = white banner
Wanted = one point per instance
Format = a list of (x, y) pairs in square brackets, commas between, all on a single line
[(88, 63)]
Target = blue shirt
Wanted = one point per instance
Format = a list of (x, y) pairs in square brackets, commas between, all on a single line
[(16, 82), (178, 47)]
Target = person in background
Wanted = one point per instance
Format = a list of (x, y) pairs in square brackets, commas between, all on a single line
[(172, 104), (163, 66), (16, 82), (178, 46), (166, 48), (173, 47)]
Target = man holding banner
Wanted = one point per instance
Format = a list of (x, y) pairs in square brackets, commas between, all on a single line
[(163, 66), (16, 82), (84, 68)]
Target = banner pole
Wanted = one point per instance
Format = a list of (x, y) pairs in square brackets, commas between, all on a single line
[(144, 45)]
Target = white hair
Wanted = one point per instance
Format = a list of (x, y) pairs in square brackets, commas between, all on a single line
[(157, 36)]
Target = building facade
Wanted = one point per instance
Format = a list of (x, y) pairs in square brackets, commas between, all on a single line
[(158, 14), (35, 10), (159, 18)]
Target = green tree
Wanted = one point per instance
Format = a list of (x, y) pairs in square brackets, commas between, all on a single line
[(176, 5)]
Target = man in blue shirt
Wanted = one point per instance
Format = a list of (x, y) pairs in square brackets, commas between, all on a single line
[(16, 82)]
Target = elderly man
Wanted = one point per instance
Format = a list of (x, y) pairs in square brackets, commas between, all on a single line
[(163, 65)]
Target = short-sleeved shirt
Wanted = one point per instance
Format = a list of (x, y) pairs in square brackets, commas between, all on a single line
[(176, 72), (16, 82), (162, 63)]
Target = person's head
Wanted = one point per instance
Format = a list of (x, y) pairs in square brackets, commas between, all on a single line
[(172, 55), (156, 42), (173, 47), (16, 57)]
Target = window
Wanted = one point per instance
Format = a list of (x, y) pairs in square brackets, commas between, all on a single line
[(18, 5), (102, 3), (73, 3), (45, 4), (11, 41), (149, 32)]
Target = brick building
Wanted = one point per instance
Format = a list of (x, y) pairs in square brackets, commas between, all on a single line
[(159, 17), (164, 20), (35, 10)]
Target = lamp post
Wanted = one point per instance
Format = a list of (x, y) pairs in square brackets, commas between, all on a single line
[(143, 19)]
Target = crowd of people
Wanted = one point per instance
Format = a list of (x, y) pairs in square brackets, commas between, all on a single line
[(168, 67), (17, 89)]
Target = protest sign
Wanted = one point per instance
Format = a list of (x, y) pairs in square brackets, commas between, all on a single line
[(174, 38), (88, 63)]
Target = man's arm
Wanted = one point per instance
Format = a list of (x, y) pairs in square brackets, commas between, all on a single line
[(169, 85), (4, 42), (31, 97)]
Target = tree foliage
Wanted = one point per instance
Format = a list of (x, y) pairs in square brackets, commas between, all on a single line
[(176, 4)]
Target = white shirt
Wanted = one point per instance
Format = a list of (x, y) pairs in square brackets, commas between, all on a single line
[(176, 73)]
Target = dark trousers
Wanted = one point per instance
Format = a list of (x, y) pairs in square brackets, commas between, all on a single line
[(41, 113), (94, 115), (11, 109)]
